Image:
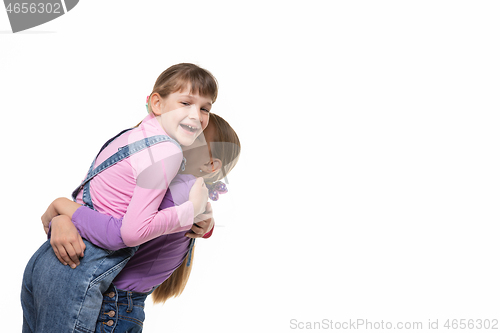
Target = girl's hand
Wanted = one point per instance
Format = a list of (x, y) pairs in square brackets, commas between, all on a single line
[(66, 242), (199, 196), (60, 206), (203, 223)]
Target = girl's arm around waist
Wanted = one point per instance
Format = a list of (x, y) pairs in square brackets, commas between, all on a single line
[(100, 229)]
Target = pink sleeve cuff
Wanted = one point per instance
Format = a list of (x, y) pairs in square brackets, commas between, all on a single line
[(185, 212)]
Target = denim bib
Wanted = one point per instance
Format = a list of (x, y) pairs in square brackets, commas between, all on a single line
[(122, 153)]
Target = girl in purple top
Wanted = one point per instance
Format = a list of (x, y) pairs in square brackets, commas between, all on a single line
[(156, 260), (131, 178), (104, 230)]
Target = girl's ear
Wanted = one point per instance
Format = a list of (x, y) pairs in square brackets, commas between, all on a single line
[(155, 102), (213, 166), (216, 164)]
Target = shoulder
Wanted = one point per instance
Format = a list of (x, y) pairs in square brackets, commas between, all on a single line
[(184, 182), (161, 145), (165, 153), (180, 187)]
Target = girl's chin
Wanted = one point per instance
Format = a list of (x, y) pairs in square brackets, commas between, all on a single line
[(185, 141)]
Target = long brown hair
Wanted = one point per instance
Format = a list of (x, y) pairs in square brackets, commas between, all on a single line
[(176, 282), (226, 147)]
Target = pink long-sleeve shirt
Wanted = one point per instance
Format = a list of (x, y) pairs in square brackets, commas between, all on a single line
[(135, 187)]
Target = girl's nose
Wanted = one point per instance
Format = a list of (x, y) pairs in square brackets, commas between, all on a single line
[(195, 113)]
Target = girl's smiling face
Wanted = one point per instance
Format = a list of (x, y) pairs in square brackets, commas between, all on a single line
[(182, 114)]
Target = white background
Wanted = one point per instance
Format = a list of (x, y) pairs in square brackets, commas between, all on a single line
[(368, 184)]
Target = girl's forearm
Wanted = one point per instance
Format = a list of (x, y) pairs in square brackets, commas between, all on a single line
[(64, 206), (60, 206), (100, 229)]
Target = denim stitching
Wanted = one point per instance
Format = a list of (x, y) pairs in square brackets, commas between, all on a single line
[(131, 319)]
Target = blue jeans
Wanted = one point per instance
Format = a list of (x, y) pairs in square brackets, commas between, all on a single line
[(121, 311), (58, 299)]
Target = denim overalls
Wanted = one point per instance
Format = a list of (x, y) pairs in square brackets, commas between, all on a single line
[(58, 299)]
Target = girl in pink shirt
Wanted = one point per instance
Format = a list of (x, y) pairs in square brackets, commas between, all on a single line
[(133, 187)]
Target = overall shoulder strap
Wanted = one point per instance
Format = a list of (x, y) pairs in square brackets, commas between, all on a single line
[(75, 192), (122, 153)]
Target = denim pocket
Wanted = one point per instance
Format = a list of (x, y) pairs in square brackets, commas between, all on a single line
[(134, 317)]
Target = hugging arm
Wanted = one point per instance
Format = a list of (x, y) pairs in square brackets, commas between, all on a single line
[(143, 220), (100, 229), (66, 238), (104, 230)]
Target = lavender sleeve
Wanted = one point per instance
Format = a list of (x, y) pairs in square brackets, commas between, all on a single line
[(104, 230), (99, 229)]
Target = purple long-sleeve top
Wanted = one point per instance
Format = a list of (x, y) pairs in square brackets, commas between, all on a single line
[(156, 259)]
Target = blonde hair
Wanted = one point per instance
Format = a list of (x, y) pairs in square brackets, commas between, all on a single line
[(226, 147), (181, 76)]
